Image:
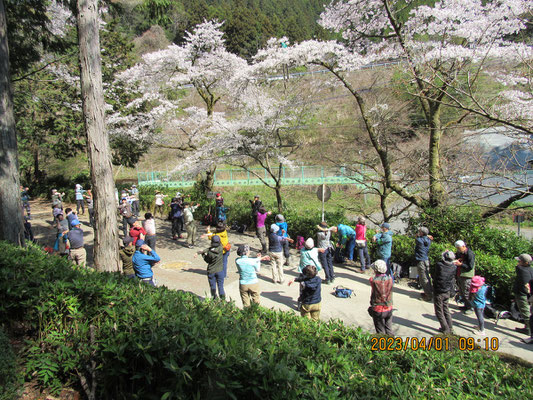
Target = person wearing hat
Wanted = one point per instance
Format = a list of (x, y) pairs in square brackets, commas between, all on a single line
[(381, 298), (247, 269), (159, 203), (126, 255), (137, 232), (215, 267), (220, 210), (309, 255), (326, 258), (256, 204), (443, 288), (283, 232), (260, 228), (275, 251), (57, 199), (465, 262), (478, 297), (176, 215), (143, 260), (77, 250), (346, 236), (190, 223), (524, 273), (422, 245), (360, 242), (383, 240)]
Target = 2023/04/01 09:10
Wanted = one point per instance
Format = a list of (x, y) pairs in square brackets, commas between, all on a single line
[(437, 343)]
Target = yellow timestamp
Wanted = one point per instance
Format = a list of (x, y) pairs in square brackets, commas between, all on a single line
[(433, 343)]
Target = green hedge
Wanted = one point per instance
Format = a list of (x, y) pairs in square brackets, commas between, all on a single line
[(141, 342)]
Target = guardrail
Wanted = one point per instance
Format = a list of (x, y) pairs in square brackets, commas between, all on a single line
[(305, 175)]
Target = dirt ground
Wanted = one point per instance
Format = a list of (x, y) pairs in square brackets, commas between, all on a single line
[(181, 269)]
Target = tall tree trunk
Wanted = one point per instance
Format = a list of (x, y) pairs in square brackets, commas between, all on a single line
[(11, 225), (209, 180), (278, 196), (436, 190), (106, 232)]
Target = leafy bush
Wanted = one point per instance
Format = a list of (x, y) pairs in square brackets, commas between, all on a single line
[(9, 379), (136, 341)]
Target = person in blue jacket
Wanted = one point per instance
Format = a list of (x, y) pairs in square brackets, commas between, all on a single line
[(283, 228), (346, 238), (383, 240), (422, 244), (143, 260)]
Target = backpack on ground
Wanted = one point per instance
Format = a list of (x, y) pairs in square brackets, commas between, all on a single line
[(343, 292), (208, 219)]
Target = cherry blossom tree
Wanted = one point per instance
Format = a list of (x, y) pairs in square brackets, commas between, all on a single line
[(204, 64), (262, 131), (443, 50)]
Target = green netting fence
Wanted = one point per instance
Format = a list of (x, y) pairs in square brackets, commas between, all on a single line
[(304, 175)]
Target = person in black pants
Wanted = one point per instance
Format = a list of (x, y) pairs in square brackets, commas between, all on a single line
[(443, 286)]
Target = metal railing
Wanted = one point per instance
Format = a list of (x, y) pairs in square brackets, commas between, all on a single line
[(304, 175)]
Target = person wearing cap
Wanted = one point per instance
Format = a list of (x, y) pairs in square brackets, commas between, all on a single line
[(127, 215), (465, 262), (126, 255), (143, 260), (326, 258), (77, 250), (381, 298), (256, 204), (247, 269), (360, 242), (215, 267), (275, 251), (478, 297), (383, 240), (283, 232), (346, 236), (79, 199), (524, 273), (134, 200), (422, 244), (443, 288), (260, 228), (220, 210), (310, 292)]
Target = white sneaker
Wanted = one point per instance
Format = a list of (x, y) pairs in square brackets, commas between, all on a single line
[(479, 332)]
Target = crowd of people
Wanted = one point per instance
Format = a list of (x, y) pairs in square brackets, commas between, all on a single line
[(453, 276)]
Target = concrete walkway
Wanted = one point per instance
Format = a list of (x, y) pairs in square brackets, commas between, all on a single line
[(181, 270)]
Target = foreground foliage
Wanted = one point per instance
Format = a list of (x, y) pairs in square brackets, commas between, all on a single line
[(124, 340)]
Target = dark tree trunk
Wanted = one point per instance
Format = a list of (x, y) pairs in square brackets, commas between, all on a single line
[(11, 225), (106, 232)]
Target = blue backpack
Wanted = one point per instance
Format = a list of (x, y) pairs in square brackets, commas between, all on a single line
[(343, 293)]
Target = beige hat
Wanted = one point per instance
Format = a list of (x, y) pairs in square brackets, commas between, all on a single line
[(525, 258), (309, 243), (380, 266)]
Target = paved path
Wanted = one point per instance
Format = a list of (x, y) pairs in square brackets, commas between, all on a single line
[(180, 270)]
